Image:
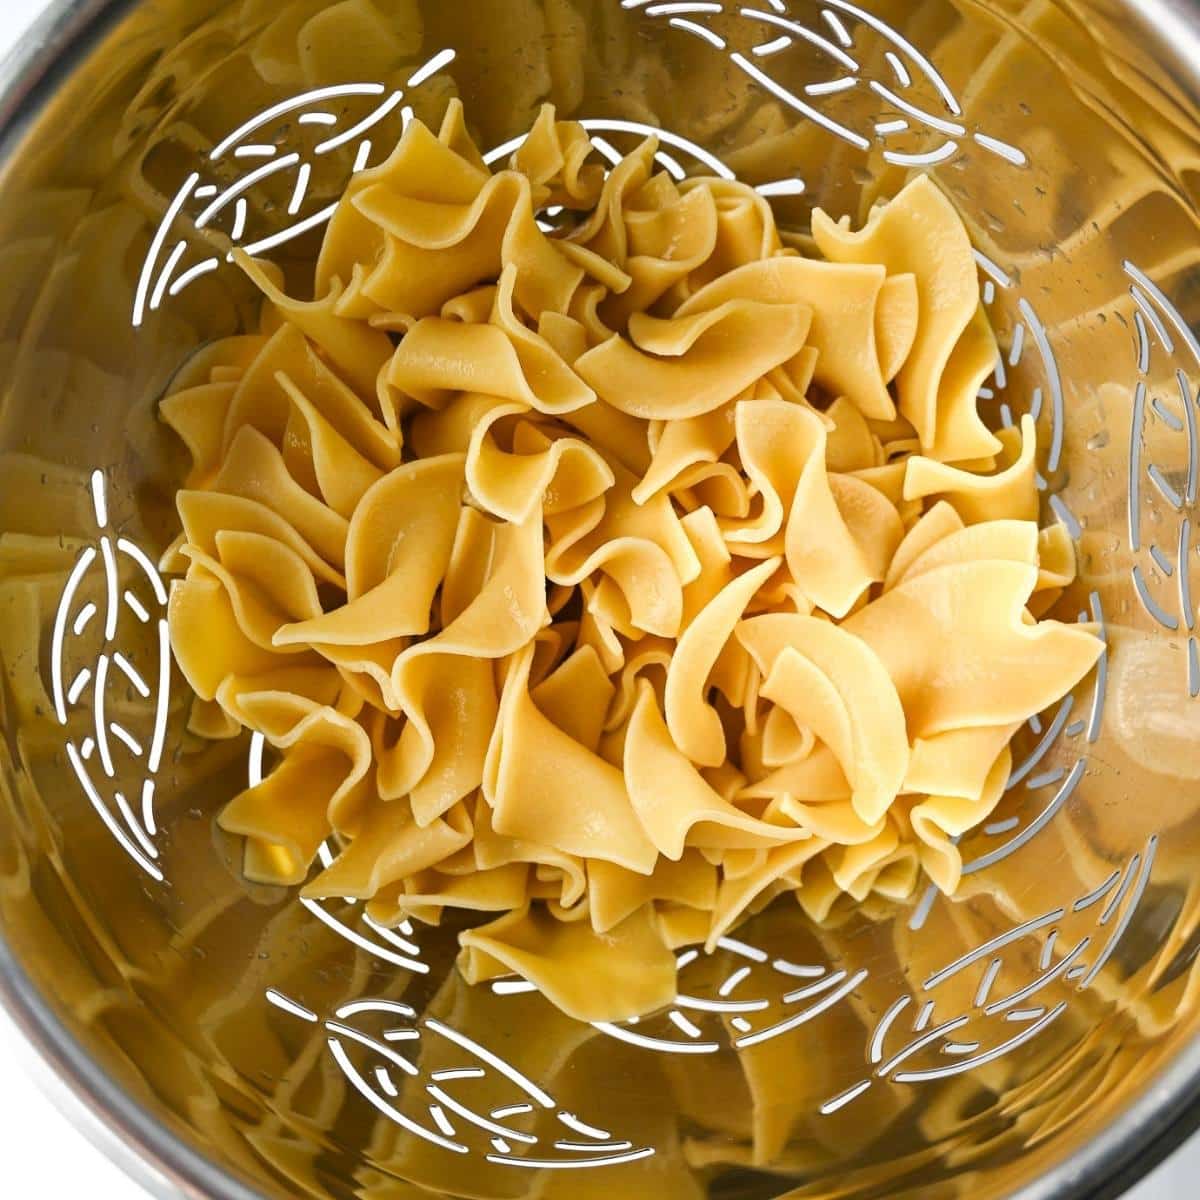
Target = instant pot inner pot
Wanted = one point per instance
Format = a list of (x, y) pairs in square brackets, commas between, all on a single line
[(1034, 1031)]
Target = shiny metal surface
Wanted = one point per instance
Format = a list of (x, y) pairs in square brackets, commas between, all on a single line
[(1035, 1036)]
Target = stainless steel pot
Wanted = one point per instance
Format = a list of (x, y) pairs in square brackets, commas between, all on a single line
[(1034, 1036)]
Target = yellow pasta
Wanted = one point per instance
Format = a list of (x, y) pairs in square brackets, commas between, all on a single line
[(614, 582)]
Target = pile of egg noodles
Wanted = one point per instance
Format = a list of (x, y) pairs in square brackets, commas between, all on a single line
[(612, 577)]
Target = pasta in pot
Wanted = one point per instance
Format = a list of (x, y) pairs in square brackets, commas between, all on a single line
[(613, 582)]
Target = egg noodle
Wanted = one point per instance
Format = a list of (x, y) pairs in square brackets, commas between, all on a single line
[(614, 572)]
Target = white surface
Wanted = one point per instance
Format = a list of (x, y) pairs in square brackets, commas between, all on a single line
[(33, 1131)]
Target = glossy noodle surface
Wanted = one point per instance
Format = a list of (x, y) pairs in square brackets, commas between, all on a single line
[(615, 573)]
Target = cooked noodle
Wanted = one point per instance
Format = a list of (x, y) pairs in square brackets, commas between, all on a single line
[(616, 580)]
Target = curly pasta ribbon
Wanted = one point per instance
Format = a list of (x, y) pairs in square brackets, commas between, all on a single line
[(611, 575)]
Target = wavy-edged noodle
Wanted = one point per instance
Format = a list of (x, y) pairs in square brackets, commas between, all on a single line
[(254, 469), (288, 719), (469, 244), (617, 600), (472, 308), (817, 892), (512, 463), (439, 358), (471, 558), (356, 350), (642, 548), (675, 805), (919, 233), (940, 820), (816, 778), (871, 518), (576, 697), (591, 977), (552, 647), (1057, 568), (897, 318), (993, 541), (857, 869), (621, 439), (584, 576), (567, 873), (425, 894), (957, 646), (783, 741), (888, 481), (842, 299), (958, 762), (596, 632), (736, 897), (546, 276), (1056, 557), (670, 236), (397, 554), (781, 593), (647, 661), (453, 132), (839, 536), (558, 386), (198, 415), (543, 785), (438, 225), (736, 864), (567, 337), (283, 833), (205, 514), (407, 520), (317, 685), (850, 445), (453, 429), (835, 822), (680, 926), (263, 399), (450, 702), (562, 473), (207, 635), (794, 379), (321, 459), (285, 819), (718, 486), (961, 433), (603, 231), (617, 894), (774, 439), (208, 720), (605, 280), (807, 664), (746, 230), (686, 366), (694, 724), (367, 670), (1011, 492), (222, 361), (554, 156), (390, 846), (680, 445), (419, 160), (444, 686), (937, 523), (267, 582), (716, 563)]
